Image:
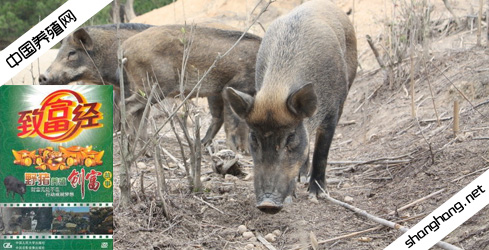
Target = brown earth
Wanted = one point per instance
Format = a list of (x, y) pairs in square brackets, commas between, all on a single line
[(376, 127), (381, 128), (376, 124)]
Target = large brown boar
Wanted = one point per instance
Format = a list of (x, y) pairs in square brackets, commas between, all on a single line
[(159, 51), (306, 64)]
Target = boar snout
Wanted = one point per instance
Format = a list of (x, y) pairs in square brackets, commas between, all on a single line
[(43, 79), (269, 205)]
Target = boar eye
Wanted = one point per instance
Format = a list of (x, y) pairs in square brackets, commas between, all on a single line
[(291, 141), (71, 53), (290, 138), (254, 140)]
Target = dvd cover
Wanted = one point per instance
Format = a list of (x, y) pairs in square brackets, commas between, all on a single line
[(56, 175)]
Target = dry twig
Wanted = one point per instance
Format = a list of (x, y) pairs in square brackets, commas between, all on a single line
[(208, 204), (379, 220), (416, 202), (469, 174), (265, 242)]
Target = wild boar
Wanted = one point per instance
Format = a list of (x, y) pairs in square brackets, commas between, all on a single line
[(90, 54), (305, 66), (158, 53), (13, 185)]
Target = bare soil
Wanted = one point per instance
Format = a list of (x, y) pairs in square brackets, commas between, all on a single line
[(381, 128), (376, 124)]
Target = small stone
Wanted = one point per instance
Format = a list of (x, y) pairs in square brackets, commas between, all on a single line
[(203, 209), (271, 237), (365, 239), (277, 232), (248, 177), (249, 246), (141, 165), (205, 178), (346, 185), (229, 177), (242, 229), (348, 199), (253, 239), (248, 235)]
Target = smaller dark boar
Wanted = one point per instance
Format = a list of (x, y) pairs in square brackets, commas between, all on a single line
[(89, 54), (13, 185), (305, 66), (158, 53)]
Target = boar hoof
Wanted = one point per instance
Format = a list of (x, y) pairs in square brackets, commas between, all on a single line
[(288, 200), (313, 198), (322, 195), (303, 179)]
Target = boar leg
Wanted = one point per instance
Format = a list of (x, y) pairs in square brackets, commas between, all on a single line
[(134, 111), (216, 107), (302, 178), (324, 136)]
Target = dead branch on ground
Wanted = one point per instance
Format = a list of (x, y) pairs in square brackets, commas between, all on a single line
[(379, 220), (265, 242), (372, 229), (416, 202)]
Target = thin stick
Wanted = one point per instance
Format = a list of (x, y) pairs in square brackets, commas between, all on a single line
[(173, 158), (388, 160), (142, 229), (265, 242), (432, 96), (145, 114), (479, 23), (376, 52), (411, 73), (435, 120), (368, 162), (416, 201), (210, 205), (361, 232), (463, 176), (379, 220), (458, 90), (456, 118)]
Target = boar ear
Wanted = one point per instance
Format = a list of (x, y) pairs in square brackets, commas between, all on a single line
[(303, 101), (239, 101), (82, 36)]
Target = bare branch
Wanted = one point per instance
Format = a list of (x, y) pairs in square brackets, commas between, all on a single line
[(379, 220)]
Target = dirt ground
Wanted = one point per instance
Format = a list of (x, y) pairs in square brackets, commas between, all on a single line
[(376, 125), (381, 128)]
